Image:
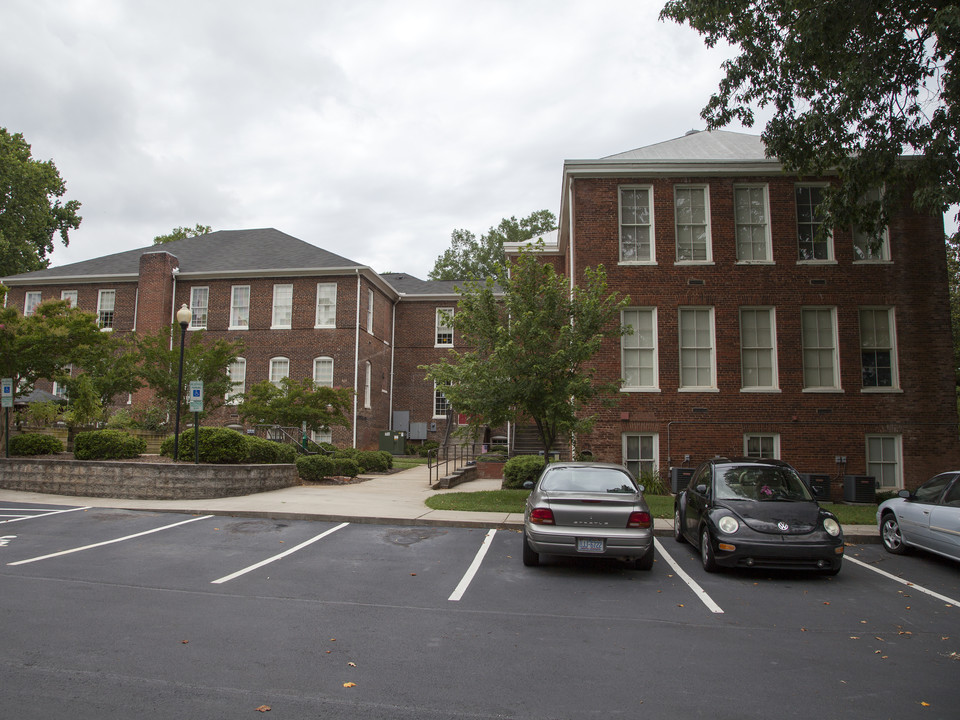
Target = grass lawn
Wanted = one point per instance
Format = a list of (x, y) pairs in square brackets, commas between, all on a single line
[(512, 501), (405, 462)]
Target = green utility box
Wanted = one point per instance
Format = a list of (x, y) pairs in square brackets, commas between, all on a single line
[(394, 442)]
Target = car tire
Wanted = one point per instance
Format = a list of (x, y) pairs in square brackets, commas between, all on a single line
[(677, 531), (645, 561), (890, 534), (706, 552), (530, 558)]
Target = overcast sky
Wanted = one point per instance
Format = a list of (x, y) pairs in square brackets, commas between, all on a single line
[(371, 128)]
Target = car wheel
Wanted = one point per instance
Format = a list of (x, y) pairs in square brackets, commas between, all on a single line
[(891, 536), (645, 562), (706, 552), (677, 527), (530, 558)]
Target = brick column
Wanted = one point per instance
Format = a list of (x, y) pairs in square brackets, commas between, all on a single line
[(155, 291)]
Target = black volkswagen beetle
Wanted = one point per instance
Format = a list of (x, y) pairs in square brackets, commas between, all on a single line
[(746, 512)]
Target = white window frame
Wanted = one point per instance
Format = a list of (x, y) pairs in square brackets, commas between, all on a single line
[(326, 305), (324, 435), (281, 309), (636, 464), (71, 297), (58, 389), (323, 371), (443, 327), (708, 248), (105, 321), (739, 222), (239, 307), (370, 296), (862, 253), (630, 346), (891, 326), (831, 258), (279, 369), (367, 384), (774, 385), (649, 225), (698, 349), (237, 372), (885, 461), (199, 307), (834, 350), (440, 402), (31, 300), (774, 438)]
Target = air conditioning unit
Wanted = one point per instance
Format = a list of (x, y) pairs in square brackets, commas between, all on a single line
[(819, 483), (679, 478), (859, 489)]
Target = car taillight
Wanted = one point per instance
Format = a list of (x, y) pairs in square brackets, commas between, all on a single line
[(639, 520), (541, 516)]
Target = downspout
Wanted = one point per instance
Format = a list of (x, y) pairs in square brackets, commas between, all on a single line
[(356, 362), (573, 281), (173, 304), (393, 353)]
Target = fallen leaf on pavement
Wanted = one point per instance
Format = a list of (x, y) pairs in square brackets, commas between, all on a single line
[(263, 708), (349, 684)]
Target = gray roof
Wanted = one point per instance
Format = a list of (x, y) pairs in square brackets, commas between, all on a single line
[(407, 284), (222, 252), (696, 145)]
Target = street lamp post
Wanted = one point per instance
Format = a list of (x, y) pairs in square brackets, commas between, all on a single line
[(183, 317)]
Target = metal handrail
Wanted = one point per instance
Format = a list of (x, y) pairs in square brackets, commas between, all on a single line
[(457, 456), (288, 435)]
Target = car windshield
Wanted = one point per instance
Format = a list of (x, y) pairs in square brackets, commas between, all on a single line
[(594, 480), (761, 483)]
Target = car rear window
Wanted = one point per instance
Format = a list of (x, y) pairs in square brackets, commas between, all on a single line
[(598, 480)]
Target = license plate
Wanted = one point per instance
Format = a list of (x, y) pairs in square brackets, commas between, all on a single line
[(589, 545)]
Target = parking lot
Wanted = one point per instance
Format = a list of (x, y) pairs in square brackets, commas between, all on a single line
[(111, 613)]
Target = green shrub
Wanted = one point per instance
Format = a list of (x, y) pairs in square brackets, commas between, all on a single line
[(286, 453), (371, 460), (521, 469), (881, 496), (315, 467), (653, 483), (34, 444), (346, 467), (500, 457), (260, 450), (217, 445), (107, 445), (121, 420), (424, 449)]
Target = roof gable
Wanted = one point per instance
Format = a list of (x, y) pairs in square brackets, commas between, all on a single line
[(708, 145)]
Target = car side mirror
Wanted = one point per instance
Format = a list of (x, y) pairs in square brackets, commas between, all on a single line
[(528, 485), (702, 489), (905, 494)]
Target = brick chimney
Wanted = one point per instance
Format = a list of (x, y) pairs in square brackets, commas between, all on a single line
[(155, 291)]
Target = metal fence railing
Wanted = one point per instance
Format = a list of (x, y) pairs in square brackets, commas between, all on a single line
[(444, 461)]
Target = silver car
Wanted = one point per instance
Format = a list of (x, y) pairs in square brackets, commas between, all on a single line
[(588, 510), (928, 518)]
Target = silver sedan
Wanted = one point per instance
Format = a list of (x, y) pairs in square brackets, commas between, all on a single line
[(588, 510), (928, 518)]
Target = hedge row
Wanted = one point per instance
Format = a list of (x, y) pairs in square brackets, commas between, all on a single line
[(226, 446), (34, 444), (107, 445)]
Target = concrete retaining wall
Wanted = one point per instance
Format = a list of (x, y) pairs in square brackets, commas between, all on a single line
[(145, 481)]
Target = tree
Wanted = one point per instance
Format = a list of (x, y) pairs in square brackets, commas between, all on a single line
[(159, 364), (291, 404), (179, 233), (104, 371), (30, 207), (852, 86), (468, 258), (530, 348)]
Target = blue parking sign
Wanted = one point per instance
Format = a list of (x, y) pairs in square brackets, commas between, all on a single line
[(196, 396)]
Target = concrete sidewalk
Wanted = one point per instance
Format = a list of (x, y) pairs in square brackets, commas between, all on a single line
[(397, 499)]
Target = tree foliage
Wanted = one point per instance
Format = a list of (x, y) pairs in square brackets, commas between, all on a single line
[(179, 233), (530, 348), (853, 86), (30, 208), (291, 404), (469, 258), (159, 366)]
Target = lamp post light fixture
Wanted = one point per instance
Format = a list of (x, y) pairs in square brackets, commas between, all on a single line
[(184, 316)]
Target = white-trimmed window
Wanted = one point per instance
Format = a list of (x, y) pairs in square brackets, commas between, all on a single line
[(758, 348), (640, 453), (884, 453), (324, 435), (867, 248), (367, 384), (59, 389), (878, 348), (106, 300), (30, 302), (440, 404), (237, 372), (282, 307), (761, 445), (326, 305), (279, 369), (752, 222), (370, 311), (323, 371), (821, 362), (638, 350), (692, 210), (199, 302), (814, 240), (444, 327), (240, 307), (697, 349), (636, 225), (69, 297)]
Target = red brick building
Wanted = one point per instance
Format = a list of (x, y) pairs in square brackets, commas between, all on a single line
[(754, 335)]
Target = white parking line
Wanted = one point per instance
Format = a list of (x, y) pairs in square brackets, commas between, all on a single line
[(474, 566), (32, 517), (238, 573), (109, 542), (920, 588), (698, 591)]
